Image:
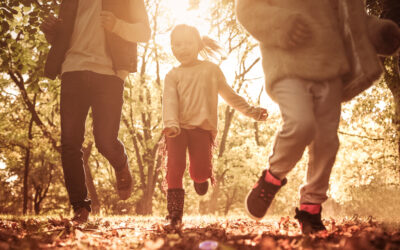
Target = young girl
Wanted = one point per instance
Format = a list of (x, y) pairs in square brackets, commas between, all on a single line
[(190, 102)]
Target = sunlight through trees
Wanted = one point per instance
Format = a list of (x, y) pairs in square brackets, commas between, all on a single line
[(365, 175)]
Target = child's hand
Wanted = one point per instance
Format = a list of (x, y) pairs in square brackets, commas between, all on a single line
[(299, 34), (48, 27), (108, 20), (171, 132), (263, 114)]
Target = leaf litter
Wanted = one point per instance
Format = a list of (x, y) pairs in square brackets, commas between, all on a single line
[(227, 233)]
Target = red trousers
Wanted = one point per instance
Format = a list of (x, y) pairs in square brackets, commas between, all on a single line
[(199, 144)]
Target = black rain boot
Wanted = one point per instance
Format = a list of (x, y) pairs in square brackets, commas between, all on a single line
[(175, 203)]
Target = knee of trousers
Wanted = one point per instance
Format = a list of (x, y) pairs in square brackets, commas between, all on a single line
[(107, 147), (71, 147), (330, 143), (303, 130), (200, 174)]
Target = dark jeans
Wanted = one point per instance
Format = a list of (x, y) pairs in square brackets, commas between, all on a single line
[(81, 90)]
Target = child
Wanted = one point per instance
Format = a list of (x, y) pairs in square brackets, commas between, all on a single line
[(316, 54), (190, 102)]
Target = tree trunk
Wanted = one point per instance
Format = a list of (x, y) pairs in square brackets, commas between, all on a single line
[(36, 204), (229, 112), (213, 203), (256, 128), (89, 179), (145, 204), (391, 10), (230, 199), (40, 192), (26, 176), (27, 164), (392, 80)]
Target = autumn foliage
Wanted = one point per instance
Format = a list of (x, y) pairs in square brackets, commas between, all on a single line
[(230, 233)]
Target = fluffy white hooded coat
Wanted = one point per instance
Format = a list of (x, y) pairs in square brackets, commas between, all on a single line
[(345, 41)]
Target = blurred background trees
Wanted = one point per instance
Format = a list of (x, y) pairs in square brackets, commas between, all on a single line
[(365, 179)]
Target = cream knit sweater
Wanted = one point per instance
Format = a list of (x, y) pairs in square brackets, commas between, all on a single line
[(345, 41)]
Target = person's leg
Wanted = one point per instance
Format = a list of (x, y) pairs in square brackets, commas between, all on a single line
[(176, 165), (175, 204), (74, 106), (323, 149), (107, 93), (200, 154), (296, 103), (176, 159), (322, 153)]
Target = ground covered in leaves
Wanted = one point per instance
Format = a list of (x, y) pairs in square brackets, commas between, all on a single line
[(228, 233)]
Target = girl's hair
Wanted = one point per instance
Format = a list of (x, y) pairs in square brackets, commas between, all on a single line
[(208, 47)]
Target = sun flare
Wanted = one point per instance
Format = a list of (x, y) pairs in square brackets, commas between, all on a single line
[(191, 12), (196, 13)]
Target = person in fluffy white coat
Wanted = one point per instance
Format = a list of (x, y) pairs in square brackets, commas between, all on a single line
[(316, 54)]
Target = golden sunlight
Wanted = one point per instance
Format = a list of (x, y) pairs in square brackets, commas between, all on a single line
[(192, 12), (196, 13)]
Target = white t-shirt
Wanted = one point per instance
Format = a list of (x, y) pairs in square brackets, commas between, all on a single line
[(88, 44)]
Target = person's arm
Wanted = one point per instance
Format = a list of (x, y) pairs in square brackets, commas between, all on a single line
[(170, 106), (236, 101), (271, 25), (384, 35), (138, 31)]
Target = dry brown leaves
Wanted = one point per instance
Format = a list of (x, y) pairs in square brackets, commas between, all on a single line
[(229, 233)]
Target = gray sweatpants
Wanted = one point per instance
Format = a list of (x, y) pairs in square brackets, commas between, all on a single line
[(311, 114)]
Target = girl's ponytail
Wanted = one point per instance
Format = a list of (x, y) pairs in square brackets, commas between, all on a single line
[(210, 48), (207, 47)]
